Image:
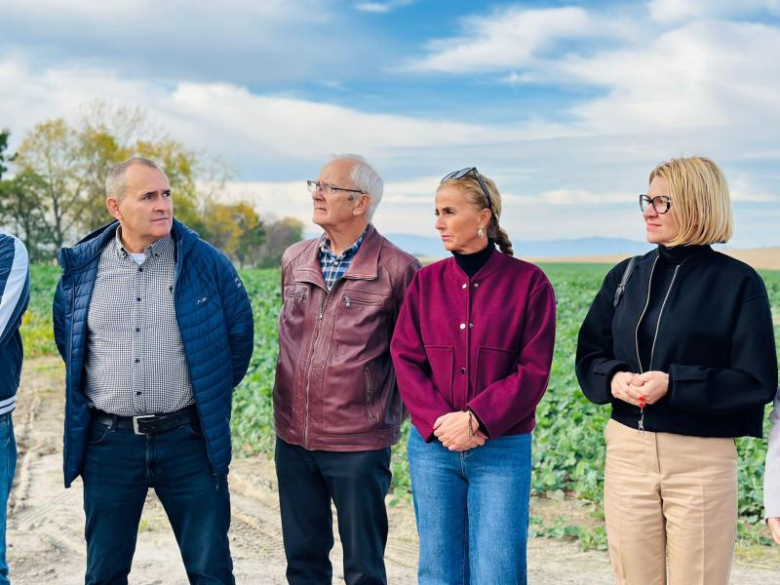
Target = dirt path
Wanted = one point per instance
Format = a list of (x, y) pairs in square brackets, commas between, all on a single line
[(46, 521)]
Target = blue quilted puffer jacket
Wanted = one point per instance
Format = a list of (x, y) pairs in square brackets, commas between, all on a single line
[(215, 322)]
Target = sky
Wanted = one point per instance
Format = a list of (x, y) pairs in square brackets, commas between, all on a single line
[(566, 105)]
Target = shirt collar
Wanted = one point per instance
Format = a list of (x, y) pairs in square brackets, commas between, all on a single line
[(154, 249), (326, 249)]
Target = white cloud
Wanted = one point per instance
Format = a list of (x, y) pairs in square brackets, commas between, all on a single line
[(668, 11), (230, 119), (508, 38), (579, 197), (241, 41), (382, 7), (696, 87), (238, 120), (697, 74), (121, 13), (704, 74), (743, 189), (524, 78)]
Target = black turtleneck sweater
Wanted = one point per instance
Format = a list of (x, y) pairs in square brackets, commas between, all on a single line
[(663, 275), (472, 263)]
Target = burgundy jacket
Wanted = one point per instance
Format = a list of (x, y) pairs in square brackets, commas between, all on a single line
[(335, 386), (484, 344)]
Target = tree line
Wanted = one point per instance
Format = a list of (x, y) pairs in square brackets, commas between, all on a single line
[(52, 189)]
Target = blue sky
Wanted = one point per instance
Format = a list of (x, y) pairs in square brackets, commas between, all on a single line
[(567, 105)]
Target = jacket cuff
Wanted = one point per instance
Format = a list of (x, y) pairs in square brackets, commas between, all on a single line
[(482, 426), (604, 372), (482, 417), (425, 428)]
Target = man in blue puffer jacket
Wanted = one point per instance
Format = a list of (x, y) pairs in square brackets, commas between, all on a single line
[(14, 296), (155, 328)]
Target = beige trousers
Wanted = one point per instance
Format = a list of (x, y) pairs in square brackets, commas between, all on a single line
[(670, 503)]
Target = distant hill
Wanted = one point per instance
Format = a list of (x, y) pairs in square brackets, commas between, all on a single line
[(432, 247)]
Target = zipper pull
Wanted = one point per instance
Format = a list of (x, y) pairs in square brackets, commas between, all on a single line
[(320, 315), (642, 422), (347, 302)]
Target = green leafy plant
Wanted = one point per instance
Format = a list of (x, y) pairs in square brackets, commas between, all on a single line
[(568, 451)]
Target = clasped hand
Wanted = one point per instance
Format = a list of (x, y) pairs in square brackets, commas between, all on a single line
[(640, 389), (452, 429)]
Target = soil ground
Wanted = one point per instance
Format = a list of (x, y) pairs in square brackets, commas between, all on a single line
[(46, 521)]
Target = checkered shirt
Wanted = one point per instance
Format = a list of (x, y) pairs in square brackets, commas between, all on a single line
[(334, 266), (135, 362)]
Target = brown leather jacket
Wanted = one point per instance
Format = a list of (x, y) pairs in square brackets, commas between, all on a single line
[(335, 385)]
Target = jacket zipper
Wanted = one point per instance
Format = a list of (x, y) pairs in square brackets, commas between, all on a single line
[(636, 340), (655, 336), (177, 269), (349, 301), (660, 314), (320, 317), (69, 352)]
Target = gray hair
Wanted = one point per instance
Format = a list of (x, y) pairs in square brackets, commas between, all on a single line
[(366, 179), (115, 177)]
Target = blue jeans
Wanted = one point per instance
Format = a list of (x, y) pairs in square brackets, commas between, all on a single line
[(119, 469), (7, 468), (471, 510)]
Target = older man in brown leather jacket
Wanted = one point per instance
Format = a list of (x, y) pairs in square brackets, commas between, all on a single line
[(337, 409)]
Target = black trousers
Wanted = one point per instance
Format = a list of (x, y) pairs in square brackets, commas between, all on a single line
[(357, 482)]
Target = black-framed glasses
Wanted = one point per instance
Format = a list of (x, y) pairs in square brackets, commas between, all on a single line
[(661, 203), (329, 189), (462, 173)]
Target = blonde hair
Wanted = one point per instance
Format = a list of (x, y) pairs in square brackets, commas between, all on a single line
[(700, 200), (470, 187)]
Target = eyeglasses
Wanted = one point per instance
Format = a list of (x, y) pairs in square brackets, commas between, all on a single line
[(661, 203), (328, 189), (462, 173)]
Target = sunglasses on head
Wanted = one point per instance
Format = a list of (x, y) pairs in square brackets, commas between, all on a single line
[(468, 170)]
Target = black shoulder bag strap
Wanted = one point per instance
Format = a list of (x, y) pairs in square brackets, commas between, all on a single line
[(624, 281)]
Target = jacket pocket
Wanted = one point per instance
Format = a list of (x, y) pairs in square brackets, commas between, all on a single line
[(282, 396), (370, 396), (351, 301), (360, 325), (292, 318), (441, 359), (493, 364), (296, 292)]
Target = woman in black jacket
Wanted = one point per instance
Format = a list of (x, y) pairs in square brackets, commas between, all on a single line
[(686, 357)]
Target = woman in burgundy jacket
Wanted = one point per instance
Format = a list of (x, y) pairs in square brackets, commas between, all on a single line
[(472, 350)]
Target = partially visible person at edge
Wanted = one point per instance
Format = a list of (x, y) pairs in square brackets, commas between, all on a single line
[(772, 474), (155, 328), (687, 361), (472, 350), (336, 405), (14, 296)]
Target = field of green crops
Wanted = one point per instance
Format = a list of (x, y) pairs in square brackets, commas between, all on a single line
[(568, 445)]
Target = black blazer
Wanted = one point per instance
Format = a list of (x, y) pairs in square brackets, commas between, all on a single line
[(715, 340)]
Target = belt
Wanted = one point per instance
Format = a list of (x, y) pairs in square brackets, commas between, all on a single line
[(147, 424)]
